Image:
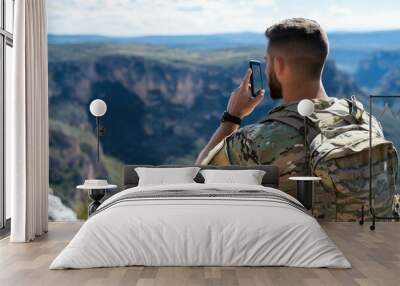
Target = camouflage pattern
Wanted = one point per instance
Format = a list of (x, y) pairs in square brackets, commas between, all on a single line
[(340, 156), (396, 206), (270, 143)]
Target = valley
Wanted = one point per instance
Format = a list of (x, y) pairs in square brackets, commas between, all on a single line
[(163, 102)]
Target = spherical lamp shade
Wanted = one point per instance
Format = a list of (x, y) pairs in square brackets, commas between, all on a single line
[(98, 107), (305, 107)]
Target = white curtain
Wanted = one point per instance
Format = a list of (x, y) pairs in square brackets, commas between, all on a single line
[(27, 123)]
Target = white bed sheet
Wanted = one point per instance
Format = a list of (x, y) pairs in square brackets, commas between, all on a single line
[(202, 232)]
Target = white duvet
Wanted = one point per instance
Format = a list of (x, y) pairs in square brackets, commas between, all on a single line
[(200, 231)]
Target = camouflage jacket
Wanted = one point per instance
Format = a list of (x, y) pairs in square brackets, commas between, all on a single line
[(266, 143), (341, 192)]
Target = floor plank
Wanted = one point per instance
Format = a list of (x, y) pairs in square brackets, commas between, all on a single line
[(375, 257)]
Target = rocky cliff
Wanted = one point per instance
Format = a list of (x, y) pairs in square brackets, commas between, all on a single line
[(162, 108)]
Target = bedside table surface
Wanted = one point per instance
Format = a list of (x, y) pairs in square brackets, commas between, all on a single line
[(305, 178)]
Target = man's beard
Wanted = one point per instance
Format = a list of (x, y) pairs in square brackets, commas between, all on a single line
[(275, 88)]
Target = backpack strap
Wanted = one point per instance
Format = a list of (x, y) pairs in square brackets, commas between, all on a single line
[(355, 109), (288, 115)]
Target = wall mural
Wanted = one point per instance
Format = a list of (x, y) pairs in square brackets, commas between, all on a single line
[(165, 95)]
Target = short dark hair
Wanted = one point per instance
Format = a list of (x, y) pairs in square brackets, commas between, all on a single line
[(304, 40)]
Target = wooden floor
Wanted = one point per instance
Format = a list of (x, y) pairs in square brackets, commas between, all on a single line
[(375, 257)]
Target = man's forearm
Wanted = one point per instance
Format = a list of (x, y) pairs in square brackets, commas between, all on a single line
[(223, 131), (240, 104)]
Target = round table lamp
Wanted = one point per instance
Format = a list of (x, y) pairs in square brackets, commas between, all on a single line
[(305, 108), (98, 108)]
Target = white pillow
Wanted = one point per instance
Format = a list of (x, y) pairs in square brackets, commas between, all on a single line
[(248, 177), (165, 176)]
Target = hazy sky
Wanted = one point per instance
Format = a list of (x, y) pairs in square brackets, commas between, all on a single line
[(158, 17)]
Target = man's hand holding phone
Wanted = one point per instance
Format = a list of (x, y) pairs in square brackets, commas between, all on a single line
[(242, 103)]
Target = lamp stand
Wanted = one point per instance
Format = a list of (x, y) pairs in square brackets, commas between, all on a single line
[(306, 159), (98, 137), (100, 131)]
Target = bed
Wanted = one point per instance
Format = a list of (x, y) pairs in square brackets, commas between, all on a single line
[(201, 224)]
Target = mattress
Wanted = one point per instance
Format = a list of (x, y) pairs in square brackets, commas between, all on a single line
[(201, 225)]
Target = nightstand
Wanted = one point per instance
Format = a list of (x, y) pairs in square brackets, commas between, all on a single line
[(305, 190), (96, 191)]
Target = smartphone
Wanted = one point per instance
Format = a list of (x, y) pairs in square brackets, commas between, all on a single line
[(256, 80)]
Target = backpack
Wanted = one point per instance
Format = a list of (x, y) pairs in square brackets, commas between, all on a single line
[(338, 152)]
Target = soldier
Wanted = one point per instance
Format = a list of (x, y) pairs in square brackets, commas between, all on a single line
[(295, 56)]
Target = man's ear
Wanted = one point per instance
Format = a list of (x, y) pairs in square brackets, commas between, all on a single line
[(280, 65)]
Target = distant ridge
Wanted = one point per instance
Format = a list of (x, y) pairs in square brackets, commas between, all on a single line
[(386, 40), (346, 48), (63, 39), (193, 42)]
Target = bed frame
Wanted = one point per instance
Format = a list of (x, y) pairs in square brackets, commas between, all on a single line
[(270, 179)]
